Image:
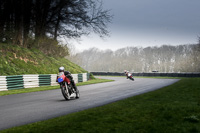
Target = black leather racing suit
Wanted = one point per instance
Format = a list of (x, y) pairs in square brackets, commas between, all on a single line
[(69, 76)]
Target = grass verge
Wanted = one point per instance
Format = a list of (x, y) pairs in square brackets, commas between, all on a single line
[(172, 109), (15, 60), (44, 88)]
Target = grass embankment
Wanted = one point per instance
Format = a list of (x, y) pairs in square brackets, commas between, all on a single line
[(15, 60), (175, 108), (44, 88)]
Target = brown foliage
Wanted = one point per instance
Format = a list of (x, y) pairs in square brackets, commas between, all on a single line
[(52, 47)]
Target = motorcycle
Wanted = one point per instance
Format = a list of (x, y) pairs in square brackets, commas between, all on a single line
[(130, 76), (67, 88)]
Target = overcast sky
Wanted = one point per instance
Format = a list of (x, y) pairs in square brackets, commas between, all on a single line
[(148, 23)]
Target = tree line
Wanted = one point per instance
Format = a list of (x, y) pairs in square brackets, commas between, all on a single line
[(40, 23), (166, 58)]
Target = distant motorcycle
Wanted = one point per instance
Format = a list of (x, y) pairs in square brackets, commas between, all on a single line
[(67, 89), (130, 76)]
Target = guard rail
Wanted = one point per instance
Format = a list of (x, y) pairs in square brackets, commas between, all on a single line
[(153, 74), (35, 80)]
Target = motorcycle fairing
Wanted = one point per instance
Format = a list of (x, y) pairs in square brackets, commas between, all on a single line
[(62, 78)]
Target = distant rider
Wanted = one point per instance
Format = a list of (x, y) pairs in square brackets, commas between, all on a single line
[(126, 73)]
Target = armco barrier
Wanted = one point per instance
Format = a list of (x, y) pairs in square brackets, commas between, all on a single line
[(15, 82), (31, 81), (84, 77), (35, 80), (88, 76), (75, 77), (53, 79), (80, 77), (149, 74), (3, 83), (44, 80)]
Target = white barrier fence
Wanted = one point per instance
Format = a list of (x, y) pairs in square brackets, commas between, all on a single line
[(75, 77), (84, 77), (35, 80), (3, 83), (31, 81), (53, 79)]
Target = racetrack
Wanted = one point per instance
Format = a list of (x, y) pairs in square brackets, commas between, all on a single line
[(20, 109)]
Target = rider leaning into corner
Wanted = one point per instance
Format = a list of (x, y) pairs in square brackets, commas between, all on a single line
[(67, 74), (126, 73)]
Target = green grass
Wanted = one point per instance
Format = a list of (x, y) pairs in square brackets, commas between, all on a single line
[(94, 81), (172, 109), (44, 88), (15, 60)]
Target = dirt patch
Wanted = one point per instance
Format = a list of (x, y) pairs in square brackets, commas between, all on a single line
[(24, 59)]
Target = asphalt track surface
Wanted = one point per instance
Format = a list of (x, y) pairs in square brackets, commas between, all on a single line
[(21, 109)]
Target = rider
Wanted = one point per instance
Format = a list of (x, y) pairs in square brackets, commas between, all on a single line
[(67, 74), (126, 73)]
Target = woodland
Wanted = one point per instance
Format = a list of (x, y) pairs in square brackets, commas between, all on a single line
[(42, 24), (166, 58)]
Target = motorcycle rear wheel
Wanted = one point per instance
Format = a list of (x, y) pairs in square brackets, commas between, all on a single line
[(77, 94)]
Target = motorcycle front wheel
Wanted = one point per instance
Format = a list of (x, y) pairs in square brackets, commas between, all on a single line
[(65, 92)]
